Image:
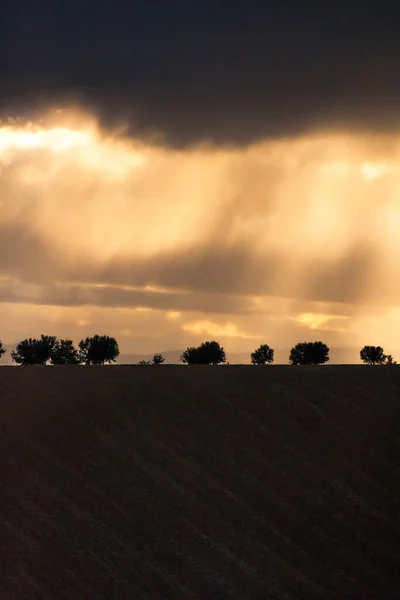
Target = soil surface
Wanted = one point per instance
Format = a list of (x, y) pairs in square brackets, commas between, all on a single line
[(177, 482)]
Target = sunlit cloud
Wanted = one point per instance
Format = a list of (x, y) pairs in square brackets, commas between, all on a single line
[(214, 329), (173, 314), (207, 241), (319, 321), (372, 171), (127, 332)]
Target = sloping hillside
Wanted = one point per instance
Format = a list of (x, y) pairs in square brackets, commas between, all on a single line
[(199, 482)]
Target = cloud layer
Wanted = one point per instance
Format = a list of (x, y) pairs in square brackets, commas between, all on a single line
[(248, 242), (195, 71)]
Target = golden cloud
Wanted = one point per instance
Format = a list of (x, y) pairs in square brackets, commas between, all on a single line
[(90, 218), (210, 328), (319, 320)]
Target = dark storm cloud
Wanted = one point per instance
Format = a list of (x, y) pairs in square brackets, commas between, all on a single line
[(114, 296), (202, 270), (232, 71), (228, 270), (211, 279), (238, 270)]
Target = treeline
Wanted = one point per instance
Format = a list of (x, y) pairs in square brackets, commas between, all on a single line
[(102, 349), (96, 350)]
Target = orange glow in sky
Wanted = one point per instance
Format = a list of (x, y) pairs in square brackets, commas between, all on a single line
[(276, 242)]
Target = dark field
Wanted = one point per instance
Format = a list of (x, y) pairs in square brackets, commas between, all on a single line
[(199, 482)]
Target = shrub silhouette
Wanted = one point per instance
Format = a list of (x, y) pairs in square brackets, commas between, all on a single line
[(98, 350), (309, 353), (157, 359), (64, 353), (263, 355), (390, 361), (373, 355), (208, 353), (2, 349), (34, 352)]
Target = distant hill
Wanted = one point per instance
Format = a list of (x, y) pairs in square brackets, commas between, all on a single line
[(200, 483)]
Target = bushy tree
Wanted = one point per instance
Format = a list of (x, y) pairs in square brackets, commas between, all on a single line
[(208, 353), (98, 350), (309, 353), (263, 355), (2, 349), (34, 352), (189, 356), (157, 359), (64, 353), (373, 355)]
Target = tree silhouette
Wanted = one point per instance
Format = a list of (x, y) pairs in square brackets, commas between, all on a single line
[(309, 353), (373, 355), (208, 353), (98, 350), (157, 359), (2, 349), (64, 353), (190, 356), (263, 355), (34, 352)]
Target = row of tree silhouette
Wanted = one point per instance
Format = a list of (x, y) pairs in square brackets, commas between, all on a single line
[(96, 350), (101, 349)]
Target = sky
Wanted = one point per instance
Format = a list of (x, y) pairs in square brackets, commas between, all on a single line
[(183, 171)]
